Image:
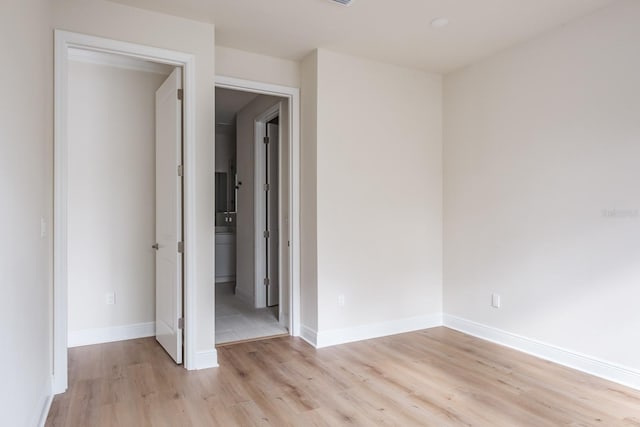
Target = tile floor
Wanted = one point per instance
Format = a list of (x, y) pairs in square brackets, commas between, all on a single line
[(236, 320)]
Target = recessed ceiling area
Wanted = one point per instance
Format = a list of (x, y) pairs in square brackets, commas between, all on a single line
[(228, 103), (397, 32)]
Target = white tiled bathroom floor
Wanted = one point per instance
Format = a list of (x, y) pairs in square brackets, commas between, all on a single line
[(236, 320)]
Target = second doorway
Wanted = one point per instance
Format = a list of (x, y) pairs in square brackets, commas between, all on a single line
[(251, 224)]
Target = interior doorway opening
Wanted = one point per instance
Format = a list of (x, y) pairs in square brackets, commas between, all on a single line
[(110, 171), (125, 192), (252, 217)]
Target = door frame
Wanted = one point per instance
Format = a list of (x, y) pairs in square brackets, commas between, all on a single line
[(292, 96), (260, 268), (63, 41)]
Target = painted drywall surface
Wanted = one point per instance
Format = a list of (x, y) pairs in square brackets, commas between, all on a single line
[(541, 188), (379, 192), (245, 218), (111, 195), (26, 118), (308, 193), (255, 67), (115, 21)]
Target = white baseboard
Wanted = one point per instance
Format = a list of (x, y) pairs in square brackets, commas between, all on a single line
[(309, 335), (45, 411), (59, 384), (206, 359), (374, 330), (116, 333), (44, 405), (590, 365)]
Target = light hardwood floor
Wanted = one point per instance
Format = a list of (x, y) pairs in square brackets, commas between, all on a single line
[(437, 377)]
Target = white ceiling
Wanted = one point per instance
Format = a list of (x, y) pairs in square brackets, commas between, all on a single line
[(393, 31)]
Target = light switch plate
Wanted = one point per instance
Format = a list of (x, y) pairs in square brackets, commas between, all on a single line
[(495, 301)]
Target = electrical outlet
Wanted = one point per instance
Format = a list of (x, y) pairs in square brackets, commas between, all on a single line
[(341, 301), (111, 298), (495, 301), (43, 228)]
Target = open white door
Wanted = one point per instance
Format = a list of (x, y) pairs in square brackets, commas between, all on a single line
[(272, 206), (169, 245)]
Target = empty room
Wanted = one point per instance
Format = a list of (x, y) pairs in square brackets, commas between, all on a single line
[(320, 212)]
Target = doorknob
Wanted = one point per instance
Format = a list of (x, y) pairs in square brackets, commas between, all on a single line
[(156, 246)]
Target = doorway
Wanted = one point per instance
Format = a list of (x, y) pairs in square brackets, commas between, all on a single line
[(136, 176), (125, 192), (247, 228), (248, 286)]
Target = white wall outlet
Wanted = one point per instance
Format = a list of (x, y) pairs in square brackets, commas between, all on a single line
[(495, 301), (111, 298), (43, 228), (341, 301)]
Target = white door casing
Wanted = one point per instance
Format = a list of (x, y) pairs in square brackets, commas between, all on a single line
[(169, 229)]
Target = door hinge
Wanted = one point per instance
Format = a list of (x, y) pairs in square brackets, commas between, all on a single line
[(266, 234), (180, 170), (266, 281), (180, 94), (267, 187), (266, 139), (180, 247), (181, 323)]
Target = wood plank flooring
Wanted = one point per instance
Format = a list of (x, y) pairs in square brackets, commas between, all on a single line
[(436, 377)]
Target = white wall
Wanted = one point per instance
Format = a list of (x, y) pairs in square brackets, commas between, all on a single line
[(111, 199), (25, 189), (379, 195), (252, 66), (106, 19), (540, 140), (245, 218)]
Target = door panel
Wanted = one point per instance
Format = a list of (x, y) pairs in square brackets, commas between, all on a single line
[(169, 215), (273, 290)]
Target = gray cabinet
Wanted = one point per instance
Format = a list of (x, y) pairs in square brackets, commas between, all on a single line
[(225, 257)]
